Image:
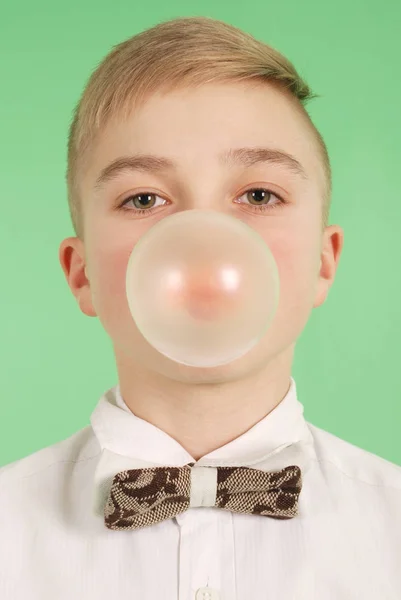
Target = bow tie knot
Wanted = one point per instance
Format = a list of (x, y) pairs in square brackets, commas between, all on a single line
[(143, 497)]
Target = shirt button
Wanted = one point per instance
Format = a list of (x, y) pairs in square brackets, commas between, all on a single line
[(207, 593)]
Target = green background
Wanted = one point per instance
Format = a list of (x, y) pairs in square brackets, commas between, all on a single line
[(55, 361)]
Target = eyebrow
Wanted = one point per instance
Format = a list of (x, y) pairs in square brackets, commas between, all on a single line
[(233, 157)]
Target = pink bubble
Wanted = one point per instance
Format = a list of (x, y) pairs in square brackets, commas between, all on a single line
[(202, 287)]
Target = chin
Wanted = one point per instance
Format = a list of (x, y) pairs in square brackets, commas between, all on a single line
[(260, 357)]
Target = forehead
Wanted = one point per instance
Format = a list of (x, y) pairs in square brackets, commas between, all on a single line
[(194, 126)]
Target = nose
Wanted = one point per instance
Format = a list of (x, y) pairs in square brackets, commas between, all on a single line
[(207, 294)]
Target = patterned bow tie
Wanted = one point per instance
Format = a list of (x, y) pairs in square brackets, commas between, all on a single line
[(142, 497)]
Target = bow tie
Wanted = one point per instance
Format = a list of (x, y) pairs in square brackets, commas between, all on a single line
[(142, 497)]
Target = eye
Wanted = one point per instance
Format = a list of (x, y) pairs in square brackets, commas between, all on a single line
[(261, 196), (144, 198)]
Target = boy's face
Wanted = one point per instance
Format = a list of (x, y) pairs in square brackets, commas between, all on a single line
[(192, 127)]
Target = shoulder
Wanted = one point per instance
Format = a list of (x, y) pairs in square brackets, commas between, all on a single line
[(43, 490), (354, 462), (77, 449)]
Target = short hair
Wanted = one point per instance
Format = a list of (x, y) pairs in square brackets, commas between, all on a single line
[(179, 53)]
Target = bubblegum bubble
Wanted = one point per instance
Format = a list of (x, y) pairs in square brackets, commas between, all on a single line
[(202, 287)]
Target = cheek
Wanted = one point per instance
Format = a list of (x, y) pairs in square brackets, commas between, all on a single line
[(297, 259), (108, 283), (295, 256)]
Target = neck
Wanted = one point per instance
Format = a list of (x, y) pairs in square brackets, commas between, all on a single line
[(202, 417)]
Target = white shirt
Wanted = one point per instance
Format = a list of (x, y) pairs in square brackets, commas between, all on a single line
[(344, 544)]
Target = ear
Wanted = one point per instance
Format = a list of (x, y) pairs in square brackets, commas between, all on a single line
[(332, 245), (72, 260)]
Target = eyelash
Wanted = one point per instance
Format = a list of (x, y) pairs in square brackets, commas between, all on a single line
[(261, 208)]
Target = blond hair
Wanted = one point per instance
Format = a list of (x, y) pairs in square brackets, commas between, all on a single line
[(182, 52)]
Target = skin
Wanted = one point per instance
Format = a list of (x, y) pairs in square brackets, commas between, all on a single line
[(205, 408)]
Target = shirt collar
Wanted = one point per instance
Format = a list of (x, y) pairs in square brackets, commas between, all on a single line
[(280, 439)]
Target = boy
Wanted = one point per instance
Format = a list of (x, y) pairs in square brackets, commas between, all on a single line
[(321, 518)]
